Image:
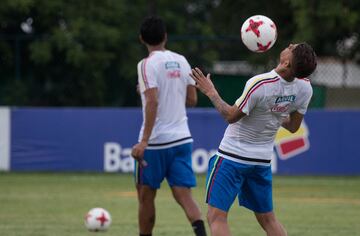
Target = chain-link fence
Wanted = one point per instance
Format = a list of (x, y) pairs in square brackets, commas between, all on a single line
[(336, 83)]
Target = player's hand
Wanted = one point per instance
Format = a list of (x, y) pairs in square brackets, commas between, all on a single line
[(138, 153), (204, 84)]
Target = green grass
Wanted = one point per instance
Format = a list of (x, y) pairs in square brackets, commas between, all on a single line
[(55, 204)]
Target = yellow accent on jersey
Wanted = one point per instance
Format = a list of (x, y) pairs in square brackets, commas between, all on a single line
[(256, 81)]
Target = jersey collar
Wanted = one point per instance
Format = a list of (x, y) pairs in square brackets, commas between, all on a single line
[(282, 79)]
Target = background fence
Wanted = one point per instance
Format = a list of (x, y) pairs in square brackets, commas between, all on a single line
[(336, 82)]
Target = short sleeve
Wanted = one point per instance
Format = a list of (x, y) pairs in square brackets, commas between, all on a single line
[(187, 71), (250, 97), (147, 76), (305, 100)]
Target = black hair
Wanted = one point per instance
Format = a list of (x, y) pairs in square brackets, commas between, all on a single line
[(153, 30), (304, 60)]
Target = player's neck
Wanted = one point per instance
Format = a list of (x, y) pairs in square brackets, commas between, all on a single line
[(160, 47), (285, 74)]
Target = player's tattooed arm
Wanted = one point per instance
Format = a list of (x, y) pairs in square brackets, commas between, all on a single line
[(230, 113), (220, 105)]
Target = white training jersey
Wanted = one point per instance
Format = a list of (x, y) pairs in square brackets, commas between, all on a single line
[(267, 100), (169, 72)]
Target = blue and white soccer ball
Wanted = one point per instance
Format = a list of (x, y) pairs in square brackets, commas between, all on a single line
[(97, 219)]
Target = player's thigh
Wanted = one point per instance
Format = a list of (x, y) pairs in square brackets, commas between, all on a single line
[(146, 194), (256, 193), (153, 174), (222, 183), (179, 171)]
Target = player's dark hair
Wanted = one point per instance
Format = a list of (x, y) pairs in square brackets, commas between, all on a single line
[(304, 60), (153, 30)]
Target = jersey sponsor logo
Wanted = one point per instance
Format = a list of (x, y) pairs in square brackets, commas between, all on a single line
[(282, 103), (280, 108), (290, 98), (173, 68), (172, 65), (175, 74)]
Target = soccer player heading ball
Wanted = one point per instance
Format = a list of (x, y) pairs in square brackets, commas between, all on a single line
[(241, 166)]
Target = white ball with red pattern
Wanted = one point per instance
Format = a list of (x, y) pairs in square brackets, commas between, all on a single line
[(97, 219), (258, 33)]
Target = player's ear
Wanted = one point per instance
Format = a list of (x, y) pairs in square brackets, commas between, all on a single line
[(287, 64)]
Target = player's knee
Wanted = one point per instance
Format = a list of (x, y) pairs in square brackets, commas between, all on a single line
[(266, 219), (182, 197), (145, 198), (178, 197), (216, 216)]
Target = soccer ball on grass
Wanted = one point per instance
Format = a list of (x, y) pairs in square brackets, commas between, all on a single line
[(258, 33), (97, 219)]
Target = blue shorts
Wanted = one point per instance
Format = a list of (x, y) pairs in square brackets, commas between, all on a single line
[(227, 179), (172, 163)]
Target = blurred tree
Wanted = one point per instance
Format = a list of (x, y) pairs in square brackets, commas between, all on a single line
[(81, 53), (227, 20), (84, 53), (322, 23), (325, 23), (73, 46)]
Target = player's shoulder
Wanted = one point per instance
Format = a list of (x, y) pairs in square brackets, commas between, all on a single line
[(150, 60), (174, 53), (140, 62), (304, 82), (264, 78), (177, 55), (305, 86)]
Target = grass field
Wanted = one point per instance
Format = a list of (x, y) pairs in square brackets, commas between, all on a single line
[(55, 204)]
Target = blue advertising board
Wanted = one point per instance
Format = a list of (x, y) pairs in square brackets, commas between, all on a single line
[(334, 145), (100, 140)]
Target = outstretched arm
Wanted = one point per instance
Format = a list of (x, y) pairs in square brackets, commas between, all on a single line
[(230, 113)]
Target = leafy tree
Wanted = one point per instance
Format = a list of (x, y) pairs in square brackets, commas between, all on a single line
[(322, 23), (325, 23), (84, 53), (80, 53)]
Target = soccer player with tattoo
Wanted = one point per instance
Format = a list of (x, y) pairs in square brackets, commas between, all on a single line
[(241, 166)]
